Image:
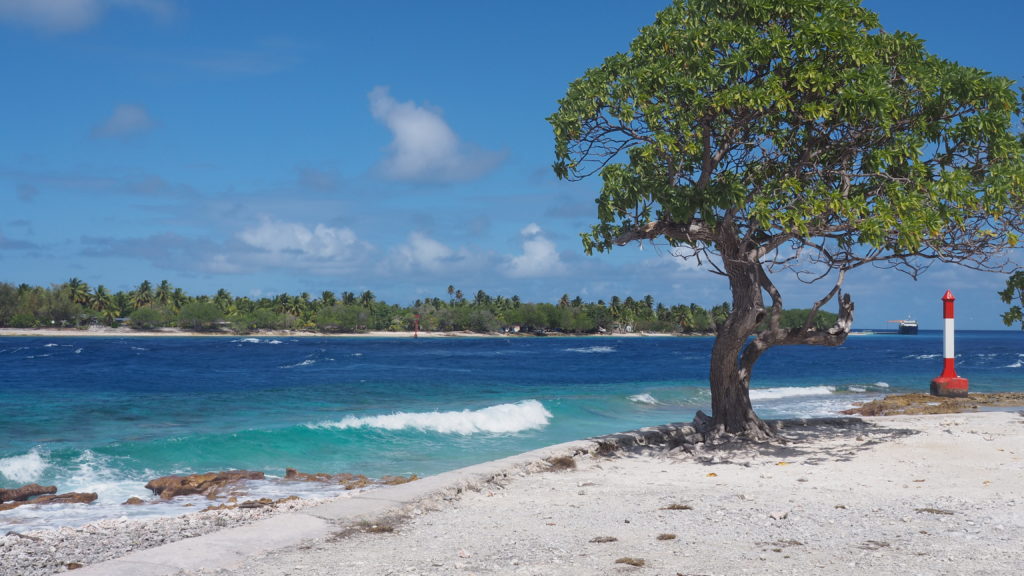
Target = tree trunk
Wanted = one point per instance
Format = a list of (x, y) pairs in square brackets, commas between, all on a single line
[(730, 382), (734, 354)]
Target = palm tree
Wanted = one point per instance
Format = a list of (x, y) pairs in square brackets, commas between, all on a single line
[(78, 291), (244, 304), (142, 296), (295, 306), (366, 299), (223, 300), (164, 293), (178, 299), (481, 298), (649, 302), (102, 302), (563, 302), (327, 299)]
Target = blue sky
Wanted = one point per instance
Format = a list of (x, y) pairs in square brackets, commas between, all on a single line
[(399, 147)]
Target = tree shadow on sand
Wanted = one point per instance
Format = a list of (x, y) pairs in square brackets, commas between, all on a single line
[(812, 441)]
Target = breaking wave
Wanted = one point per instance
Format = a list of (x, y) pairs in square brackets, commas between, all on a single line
[(23, 468), (644, 399), (592, 350), (776, 393), (499, 419)]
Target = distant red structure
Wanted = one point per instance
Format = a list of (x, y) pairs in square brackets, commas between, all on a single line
[(948, 384)]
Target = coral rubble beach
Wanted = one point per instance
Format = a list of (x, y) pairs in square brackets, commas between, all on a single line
[(905, 494)]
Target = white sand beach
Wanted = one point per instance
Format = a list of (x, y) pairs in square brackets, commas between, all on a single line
[(936, 494)]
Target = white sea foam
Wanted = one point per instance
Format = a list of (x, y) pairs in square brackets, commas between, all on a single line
[(275, 342), (923, 356), (881, 384), (857, 389), (1016, 364), (23, 468), (592, 350), (79, 350), (499, 419), (50, 345), (644, 399), (308, 362), (776, 393)]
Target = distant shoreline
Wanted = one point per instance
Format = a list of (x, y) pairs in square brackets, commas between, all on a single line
[(104, 331)]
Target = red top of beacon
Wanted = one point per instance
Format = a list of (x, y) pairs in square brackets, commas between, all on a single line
[(947, 304)]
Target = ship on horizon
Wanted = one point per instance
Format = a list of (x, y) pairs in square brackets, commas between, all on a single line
[(907, 326)]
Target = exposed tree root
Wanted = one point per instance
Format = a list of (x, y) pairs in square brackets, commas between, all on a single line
[(754, 430)]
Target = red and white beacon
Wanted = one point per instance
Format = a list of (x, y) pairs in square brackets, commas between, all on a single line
[(948, 384)]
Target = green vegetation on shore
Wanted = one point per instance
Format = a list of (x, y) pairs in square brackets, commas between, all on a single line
[(147, 307)]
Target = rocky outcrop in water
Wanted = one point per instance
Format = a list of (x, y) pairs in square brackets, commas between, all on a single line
[(68, 498), (349, 481), (25, 492), (209, 484)]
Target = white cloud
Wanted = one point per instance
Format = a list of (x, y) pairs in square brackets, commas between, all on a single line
[(424, 147), (60, 16), (539, 257), (321, 242), (422, 252), (126, 121)]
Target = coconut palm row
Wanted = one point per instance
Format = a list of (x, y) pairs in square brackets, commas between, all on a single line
[(75, 303)]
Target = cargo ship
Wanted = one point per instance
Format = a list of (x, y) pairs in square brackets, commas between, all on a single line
[(906, 326)]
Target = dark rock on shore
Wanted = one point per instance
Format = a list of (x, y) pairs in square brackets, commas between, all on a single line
[(208, 484), (349, 481), (68, 498), (928, 404), (25, 492)]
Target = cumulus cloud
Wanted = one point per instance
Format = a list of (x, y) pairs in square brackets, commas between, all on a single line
[(270, 245), (126, 121), (321, 242), (422, 252), (424, 147), (539, 257), (63, 16)]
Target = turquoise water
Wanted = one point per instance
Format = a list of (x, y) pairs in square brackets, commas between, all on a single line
[(106, 415)]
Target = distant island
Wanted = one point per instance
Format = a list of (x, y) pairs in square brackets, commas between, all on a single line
[(164, 309)]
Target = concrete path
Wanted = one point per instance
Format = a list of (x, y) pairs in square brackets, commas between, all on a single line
[(231, 546)]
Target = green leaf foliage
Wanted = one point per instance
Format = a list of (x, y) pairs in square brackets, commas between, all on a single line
[(1013, 294), (798, 120)]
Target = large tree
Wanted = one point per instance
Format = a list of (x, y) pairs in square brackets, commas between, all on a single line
[(762, 136)]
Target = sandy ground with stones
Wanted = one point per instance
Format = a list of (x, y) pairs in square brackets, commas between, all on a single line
[(926, 494), (938, 494)]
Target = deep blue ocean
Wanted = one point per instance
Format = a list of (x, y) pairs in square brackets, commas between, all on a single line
[(105, 415)]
